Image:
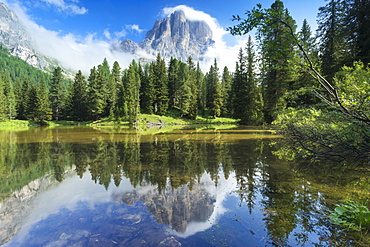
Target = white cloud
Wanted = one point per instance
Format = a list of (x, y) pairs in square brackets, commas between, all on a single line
[(120, 34), (225, 55), (135, 27), (72, 51), (107, 34), (69, 7), (76, 52)]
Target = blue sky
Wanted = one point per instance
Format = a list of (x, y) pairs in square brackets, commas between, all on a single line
[(81, 23), (134, 18)]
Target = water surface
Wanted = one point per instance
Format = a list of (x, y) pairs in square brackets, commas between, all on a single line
[(186, 187)]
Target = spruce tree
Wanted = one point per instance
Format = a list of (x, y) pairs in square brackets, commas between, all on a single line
[(97, 96), (253, 108), (42, 111), (147, 92), (214, 91), (160, 82), (239, 86), (194, 88), (131, 81), (333, 46), (357, 29), (2, 101), (116, 88), (57, 93), (226, 83), (202, 90), (23, 99), (173, 82), (79, 99), (277, 55), (11, 103)]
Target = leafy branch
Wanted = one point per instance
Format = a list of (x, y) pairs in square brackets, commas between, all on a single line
[(261, 19)]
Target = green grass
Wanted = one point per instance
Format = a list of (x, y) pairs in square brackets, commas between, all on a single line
[(142, 120)]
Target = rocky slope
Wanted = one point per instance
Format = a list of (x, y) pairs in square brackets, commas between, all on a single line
[(17, 40), (174, 36)]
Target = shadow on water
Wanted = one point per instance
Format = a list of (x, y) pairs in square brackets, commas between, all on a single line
[(182, 187)]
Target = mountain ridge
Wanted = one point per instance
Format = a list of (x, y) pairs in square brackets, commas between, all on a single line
[(174, 36)]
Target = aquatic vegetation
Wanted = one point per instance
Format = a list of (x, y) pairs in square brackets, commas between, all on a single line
[(351, 214)]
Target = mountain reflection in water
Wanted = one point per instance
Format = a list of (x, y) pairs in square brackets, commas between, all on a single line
[(182, 188)]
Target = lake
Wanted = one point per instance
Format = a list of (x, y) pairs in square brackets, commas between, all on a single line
[(190, 186)]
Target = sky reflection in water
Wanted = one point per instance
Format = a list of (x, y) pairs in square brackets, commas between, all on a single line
[(240, 197)]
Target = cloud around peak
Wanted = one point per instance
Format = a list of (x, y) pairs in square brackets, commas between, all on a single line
[(77, 52)]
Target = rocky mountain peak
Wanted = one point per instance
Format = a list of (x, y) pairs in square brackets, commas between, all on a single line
[(15, 38), (175, 36)]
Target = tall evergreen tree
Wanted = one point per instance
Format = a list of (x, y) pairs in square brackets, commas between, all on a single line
[(333, 46), (202, 90), (194, 88), (79, 100), (253, 112), (147, 92), (23, 99), (11, 103), (173, 82), (214, 91), (2, 101), (57, 93), (97, 92), (131, 81), (277, 55), (239, 86), (301, 94), (357, 27), (42, 111), (160, 82), (226, 83), (116, 89)]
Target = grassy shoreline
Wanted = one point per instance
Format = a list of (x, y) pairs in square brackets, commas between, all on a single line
[(142, 121)]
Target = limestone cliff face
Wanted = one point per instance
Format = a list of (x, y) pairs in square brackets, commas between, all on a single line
[(174, 36), (175, 207), (17, 40)]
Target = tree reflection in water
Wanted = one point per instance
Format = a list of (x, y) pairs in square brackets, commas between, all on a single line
[(179, 177)]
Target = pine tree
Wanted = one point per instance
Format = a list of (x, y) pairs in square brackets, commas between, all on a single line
[(278, 54), (23, 99), (333, 46), (116, 85), (184, 93), (160, 82), (32, 103), (79, 100), (97, 96), (173, 82), (42, 111), (194, 88), (214, 96), (226, 83), (301, 94), (147, 92), (357, 27), (253, 111), (238, 86), (57, 93), (132, 92), (2, 101), (202, 90), (11, 103)]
